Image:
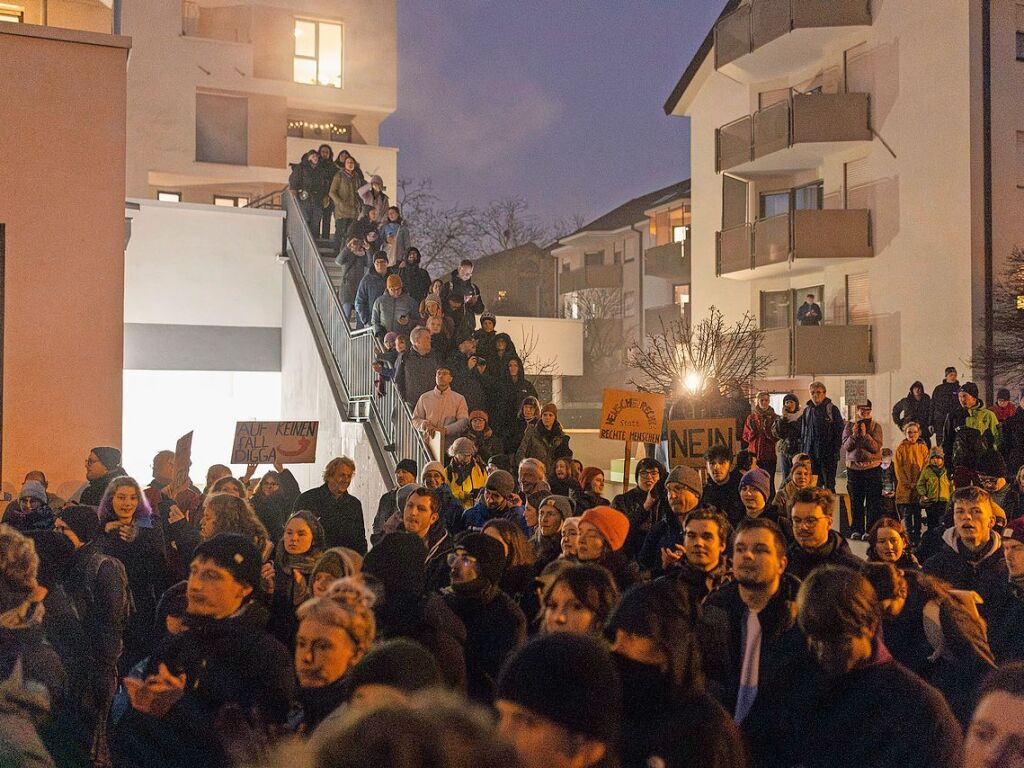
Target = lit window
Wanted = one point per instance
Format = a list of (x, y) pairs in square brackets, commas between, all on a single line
[(230, 201), (169, 197), (317, 53), (11, 17), (679, 234)]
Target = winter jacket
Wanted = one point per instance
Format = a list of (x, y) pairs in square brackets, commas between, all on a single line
[(726, 497), (700, 584), (341, 517), (92, 495), (466, 483), (400, 247), (944, 402), (666, 534), (1004, 632), (441, 409), (465, 288), (546, 445), (273, 511), (933, 484), (1011, 442), (822, 428), (415, 374), (228, 663), (641, 521), (22, 706), (305, 180), (415, 280), (759, 434), (1004, 412), (371, 199), (371, 287), (908, 461), (835, 551), (426, 618), (387, 310), (968, 432), (477, 516), (98, 587), (863, 451), (788, 430), (352, 266), (911, 409), (487, 443), (984, 572), (344, 193), (879, 714)]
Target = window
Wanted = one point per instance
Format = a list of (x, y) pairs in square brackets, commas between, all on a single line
[(809, 197), (595, 259), (858, 300), (775, 311), (800, 297), (1020, 31), (628, 303), (12, 17), (617, 255), (222, 129), (679, 233), (1020, 46), (229, 201), (169, 197), (317, 53), (565, 266), (681, 297), (774, 204)]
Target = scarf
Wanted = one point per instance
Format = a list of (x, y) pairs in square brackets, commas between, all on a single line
[(24, 615), (765, 412)]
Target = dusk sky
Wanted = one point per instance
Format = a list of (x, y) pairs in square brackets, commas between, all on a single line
[(558, 102)]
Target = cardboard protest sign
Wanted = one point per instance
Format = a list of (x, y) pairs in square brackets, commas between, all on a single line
[(182, 460), (632, 416), (270, 442), (689, 440)]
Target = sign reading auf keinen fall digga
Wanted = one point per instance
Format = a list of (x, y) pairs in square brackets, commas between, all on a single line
[(632, 416), (270, 442), (689, 440)]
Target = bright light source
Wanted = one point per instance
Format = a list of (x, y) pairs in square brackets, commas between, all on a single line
[(298, 32), (692, 382)]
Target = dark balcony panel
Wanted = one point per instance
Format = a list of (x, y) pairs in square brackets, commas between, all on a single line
[(670, 261), (832, 234), (735, 141), (734, 250), (777, 347), (832, 350), (771, 129), (769, 20), (657, 319), (571, 281), (605, 276), (732, 36), (771, 240), (809, 14), (830, 117)]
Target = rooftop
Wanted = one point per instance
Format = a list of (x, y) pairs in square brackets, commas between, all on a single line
[(628, 214)]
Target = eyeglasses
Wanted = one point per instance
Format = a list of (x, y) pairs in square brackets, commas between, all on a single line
[(807, 522), (462, 559), (90, 461), (649, 473)]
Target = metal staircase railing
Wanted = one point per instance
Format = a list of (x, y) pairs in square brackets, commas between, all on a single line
[(348, 354)]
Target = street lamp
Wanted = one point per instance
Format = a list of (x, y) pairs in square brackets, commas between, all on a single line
[(692, 382)]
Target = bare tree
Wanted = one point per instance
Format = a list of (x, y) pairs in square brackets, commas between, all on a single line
[(693, 360), (1004, 359), (533, 363), (507, 223)]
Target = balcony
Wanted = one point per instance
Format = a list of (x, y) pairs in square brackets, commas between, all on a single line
[(767, 39), (597, 276), (819, 350), (670, 262), (794, 243), (657, 318), (794, 134)]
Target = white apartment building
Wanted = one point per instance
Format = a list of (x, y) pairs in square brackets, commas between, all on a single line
[(223, 94), (870, 153)]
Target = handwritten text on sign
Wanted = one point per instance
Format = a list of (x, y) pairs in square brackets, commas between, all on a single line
[(269, 442), (688, 441), (635, 416)]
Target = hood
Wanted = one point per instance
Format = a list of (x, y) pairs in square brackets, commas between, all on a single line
[(951, 540), (910, 392)]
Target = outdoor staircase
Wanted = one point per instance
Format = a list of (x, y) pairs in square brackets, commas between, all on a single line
[(346, 353)]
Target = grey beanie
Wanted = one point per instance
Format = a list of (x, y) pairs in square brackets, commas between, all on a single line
[(686, 476), (562, 503)]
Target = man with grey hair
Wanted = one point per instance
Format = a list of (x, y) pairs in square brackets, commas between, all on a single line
[(339, 512), (822, 427), (416, 368), (533, 482)]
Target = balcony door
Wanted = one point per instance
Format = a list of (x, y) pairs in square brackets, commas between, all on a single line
[(779, 308), (809, 197)]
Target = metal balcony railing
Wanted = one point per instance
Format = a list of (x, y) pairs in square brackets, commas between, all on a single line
[(819, 350), (348, 354)]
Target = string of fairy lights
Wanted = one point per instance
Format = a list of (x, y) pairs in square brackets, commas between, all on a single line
[(332, 127)]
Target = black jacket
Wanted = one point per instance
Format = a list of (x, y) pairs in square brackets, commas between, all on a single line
[(835, 551), (342, 517), (273, 511), (98, 586), (665, 535), (822, 429), (911, 409), (986, 575), (726, 497), (1011, 443), (415, 279), (465, 288), (641, 521), (944, 402), (93, 494)]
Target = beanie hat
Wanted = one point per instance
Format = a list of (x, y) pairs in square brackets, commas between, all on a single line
[(82, 520), (110, 457), (478, 414), (394, 281), (950, 369), (501, 483), (390, 336), (381, 256), (1002, 394), (33, 489), (397, 562), (758, 479), (568, 679), (550, 407), (337, 562), (530, 400), (1014, 530), (613, 525), (791, 398), (407, 465), (971, 389), (236, 554), (431, 466), (686, 476), (562, 503), (462, 445), (488, 316), (432, 298), (400, 663), (865, 404), (991, 463), (937, 451), (489, 554)]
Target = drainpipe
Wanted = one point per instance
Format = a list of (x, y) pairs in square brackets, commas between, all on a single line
[(116, 9), (640, 256)]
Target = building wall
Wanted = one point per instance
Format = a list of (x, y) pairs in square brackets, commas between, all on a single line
[(249, 54), (63, 219), (86, 15), (916, 66)]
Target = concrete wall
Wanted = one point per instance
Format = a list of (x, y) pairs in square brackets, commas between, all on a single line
[(916, 64), (63, 222), (306, 394), (85, 15)]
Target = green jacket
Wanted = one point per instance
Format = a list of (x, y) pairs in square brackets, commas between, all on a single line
[(933, 484)]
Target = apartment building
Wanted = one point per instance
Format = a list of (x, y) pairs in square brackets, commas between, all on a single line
[(223, 95), (870, 154), (622, 274)]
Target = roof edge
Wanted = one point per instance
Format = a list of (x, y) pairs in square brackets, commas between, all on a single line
[(697, 61)]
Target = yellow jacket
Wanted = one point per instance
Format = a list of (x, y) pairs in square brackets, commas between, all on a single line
[(908, 461)]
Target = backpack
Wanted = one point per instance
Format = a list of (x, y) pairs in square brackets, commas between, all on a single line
[(968, 445)]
